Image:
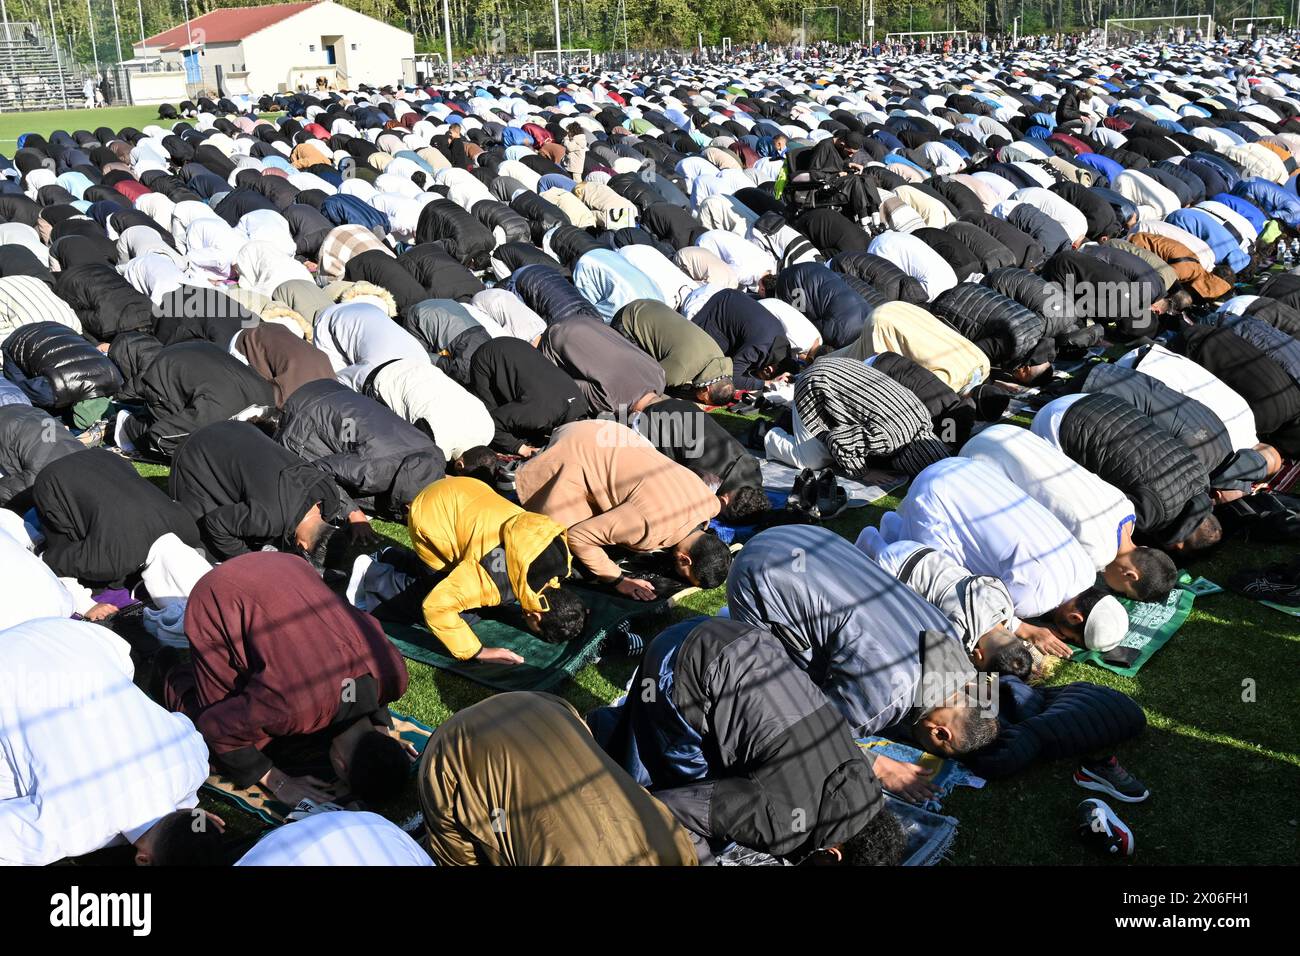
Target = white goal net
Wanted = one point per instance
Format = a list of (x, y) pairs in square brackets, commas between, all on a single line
[(578, 58), (1132, 31)]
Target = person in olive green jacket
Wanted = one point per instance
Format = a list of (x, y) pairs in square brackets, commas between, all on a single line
[(694, 366), (518, 780)]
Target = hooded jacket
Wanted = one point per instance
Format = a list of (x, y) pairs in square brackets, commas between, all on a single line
[(245, 492), (282, 358), (456, 524)]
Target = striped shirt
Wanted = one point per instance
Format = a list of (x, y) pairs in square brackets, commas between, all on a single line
[(862, 414), (26, 299)]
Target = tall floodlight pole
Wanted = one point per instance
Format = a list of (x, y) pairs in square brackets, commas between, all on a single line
[(871, 23), (117, 32), (94, 50), (58, 57), (4, 12), (189, 35), (139, 8), (559, 57), (446, 32)]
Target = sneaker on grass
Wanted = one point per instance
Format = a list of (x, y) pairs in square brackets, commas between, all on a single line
[(1107, 776)]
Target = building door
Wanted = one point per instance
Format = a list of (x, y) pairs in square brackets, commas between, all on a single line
[(330, 56)]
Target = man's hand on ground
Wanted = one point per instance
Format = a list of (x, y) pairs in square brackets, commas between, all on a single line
[(498, 655), (100, 612), (637, 588), (907, 780), (1045, 639)]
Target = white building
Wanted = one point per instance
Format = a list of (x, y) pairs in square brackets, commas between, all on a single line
[(268, 49)]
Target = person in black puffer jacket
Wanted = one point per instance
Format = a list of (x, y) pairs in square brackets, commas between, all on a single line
[(1050, 723), (1012, 336), (1036, 294), (826, 298), (439, 273), (379, 459), (29, 440), (546, 291), (464, 237), (1167, 484), (883, 276), (105, 303), (1233, 472), (56, 367)]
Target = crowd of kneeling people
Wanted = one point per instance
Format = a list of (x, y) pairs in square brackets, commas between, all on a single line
[(497, 313)]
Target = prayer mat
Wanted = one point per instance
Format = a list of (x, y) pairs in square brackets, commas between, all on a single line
[(307, 758), (778, 481), (1150, 626), (946, 775), (545, 665), (929, 838)]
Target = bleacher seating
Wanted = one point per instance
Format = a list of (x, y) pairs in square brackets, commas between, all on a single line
[(31, 74)]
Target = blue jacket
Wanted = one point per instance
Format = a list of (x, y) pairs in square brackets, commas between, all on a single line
[(1204, 226)]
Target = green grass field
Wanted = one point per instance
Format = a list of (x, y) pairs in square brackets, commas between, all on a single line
[(1220, 754), (13, 125)]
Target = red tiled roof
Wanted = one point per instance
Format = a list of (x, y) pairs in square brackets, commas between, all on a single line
[(227, 26)]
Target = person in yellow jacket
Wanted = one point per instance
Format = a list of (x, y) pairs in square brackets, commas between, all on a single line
[(475, 550)]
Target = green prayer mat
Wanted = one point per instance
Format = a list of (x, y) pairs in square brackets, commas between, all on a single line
[(261, 804), (1150, 626), (545, 665)]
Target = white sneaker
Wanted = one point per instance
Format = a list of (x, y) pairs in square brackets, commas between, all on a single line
[(358, 577)]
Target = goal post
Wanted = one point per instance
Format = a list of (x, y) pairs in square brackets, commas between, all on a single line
[(1261, 23), (1124, 31), (959, 37)]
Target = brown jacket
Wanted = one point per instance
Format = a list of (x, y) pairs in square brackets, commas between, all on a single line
[(1190, 272), (282, 358), (609, 486)]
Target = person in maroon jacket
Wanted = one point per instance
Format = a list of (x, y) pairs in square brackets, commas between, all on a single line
[(276, 653)]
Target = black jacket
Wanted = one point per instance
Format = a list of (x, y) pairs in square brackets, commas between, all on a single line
[(696, 440), (527, 396), (1273, 396), (105, 303), (441, 276), (1195, 424), (29, 440), (192, 384), (546, 291), (100, 517), (244, 491), (891, 281), (56, 367), (1166, 483), (988, 249), (1000, 327), (747, 333), (456, 230), (379, 459), (775, 767)]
